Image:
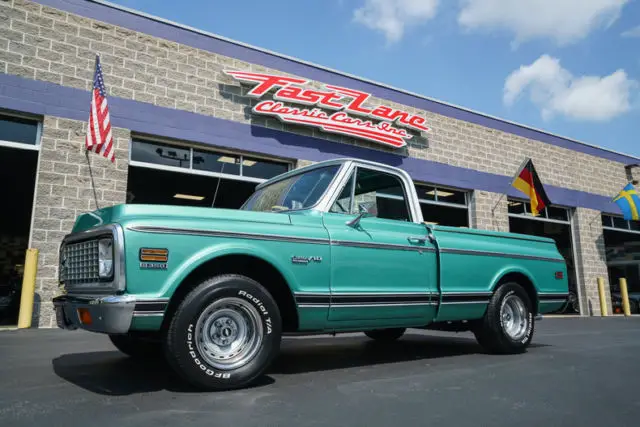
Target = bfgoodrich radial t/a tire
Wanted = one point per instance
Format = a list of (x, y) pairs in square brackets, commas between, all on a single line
[(224, 334), (508, 324)]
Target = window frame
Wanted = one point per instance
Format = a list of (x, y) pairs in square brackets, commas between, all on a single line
[(351, 179), (467, 199), (197, 147), (21, 145), (612, 227), (528, 215)]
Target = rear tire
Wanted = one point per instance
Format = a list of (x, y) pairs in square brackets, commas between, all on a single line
[(508, 324), (224, 334), (386, 335), (136, 347)]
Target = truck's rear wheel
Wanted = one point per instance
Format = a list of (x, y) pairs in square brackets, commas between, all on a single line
[(508, 324), (385, 335), (224, 334)]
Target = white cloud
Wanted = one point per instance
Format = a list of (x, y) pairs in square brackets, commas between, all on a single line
[(391, 17), (564, 21), (557, 92), (633, 32)]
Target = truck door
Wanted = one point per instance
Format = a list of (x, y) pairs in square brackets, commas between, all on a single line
[(383, 266)]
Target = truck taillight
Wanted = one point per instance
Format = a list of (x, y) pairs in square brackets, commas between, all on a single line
[(559, 275)]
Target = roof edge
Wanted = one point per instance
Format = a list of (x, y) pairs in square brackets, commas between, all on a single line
[(351, 76)]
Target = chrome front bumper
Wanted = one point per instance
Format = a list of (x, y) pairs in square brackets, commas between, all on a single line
[(109, 314)]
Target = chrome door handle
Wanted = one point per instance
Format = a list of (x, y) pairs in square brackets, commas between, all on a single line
[(414, 239)]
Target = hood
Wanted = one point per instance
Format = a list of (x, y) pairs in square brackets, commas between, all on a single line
[(125, 213)]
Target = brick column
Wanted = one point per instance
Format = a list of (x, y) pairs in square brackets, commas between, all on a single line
[(489, 211), (591, 262), (63, 192)]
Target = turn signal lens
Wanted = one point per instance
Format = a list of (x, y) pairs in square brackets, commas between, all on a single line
[(559, 275), (154, 254), (85, 316)]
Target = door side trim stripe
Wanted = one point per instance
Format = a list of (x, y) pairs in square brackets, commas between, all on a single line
[(232, 234), (307, 299), (498, 254), (390, 246)]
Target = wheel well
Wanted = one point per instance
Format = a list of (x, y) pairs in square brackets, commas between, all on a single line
[(255, 268), (526, 283)]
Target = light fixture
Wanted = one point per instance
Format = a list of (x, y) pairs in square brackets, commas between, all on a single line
[(248, 163), (227, 159), (442, 193), (187, 197)]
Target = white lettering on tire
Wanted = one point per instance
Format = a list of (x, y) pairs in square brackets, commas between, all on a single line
[(197, 361), (261, 307)]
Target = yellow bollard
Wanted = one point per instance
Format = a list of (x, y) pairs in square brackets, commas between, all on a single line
[(625, 297), (603, 303), (28, 289)]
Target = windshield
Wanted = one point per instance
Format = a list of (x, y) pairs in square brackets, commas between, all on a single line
[(297, 192)]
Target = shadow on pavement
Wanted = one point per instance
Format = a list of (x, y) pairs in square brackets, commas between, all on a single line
[(340, 353), (114, 374)]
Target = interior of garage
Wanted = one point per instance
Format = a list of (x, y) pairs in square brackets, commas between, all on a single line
[(622, 248), (553, 222), (19, 168)]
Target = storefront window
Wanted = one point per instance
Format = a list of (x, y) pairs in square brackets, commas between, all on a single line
[(622, 248), (553, 222), (215, 162), (18, 130), (161, 173), (443, 206), (160, 154)]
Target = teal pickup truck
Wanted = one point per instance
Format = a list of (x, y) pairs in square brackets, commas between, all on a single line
[(338, 246)]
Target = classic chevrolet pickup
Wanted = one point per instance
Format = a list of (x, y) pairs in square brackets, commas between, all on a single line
[(338, 246)]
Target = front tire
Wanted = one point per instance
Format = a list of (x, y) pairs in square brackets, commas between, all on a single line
[(224, 334), (508, 324), (385, 335)]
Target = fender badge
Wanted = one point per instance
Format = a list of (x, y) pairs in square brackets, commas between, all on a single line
[(305, 259), (153, 265)]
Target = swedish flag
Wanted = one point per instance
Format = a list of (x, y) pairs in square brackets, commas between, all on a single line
[(628, 202)]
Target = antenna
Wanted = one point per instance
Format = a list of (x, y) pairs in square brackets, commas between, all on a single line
[(217, 186)]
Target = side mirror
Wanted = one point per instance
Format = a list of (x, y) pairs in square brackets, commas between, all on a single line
[(364, 210)]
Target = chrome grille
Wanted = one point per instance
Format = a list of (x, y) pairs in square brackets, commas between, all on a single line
[(79, 263)]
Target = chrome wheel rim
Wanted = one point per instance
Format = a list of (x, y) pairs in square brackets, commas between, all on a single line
[(229, 333), (513, 316)]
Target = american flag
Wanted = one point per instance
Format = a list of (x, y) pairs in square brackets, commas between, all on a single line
[(99, 138)]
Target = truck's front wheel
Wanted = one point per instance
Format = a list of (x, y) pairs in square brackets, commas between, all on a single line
[(508, 324), (224, 334)]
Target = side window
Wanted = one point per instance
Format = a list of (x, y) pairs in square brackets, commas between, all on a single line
[(382, 192)]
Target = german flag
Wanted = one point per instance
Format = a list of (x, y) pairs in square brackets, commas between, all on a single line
[(527, 181)]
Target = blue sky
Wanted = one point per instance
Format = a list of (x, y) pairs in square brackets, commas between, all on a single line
[(571, 67)]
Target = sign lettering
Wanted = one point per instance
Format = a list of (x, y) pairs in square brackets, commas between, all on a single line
[(379, 124)]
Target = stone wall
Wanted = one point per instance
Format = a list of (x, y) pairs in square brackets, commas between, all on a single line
[(64, 191), (591, 262), (42, 43), (489, 211)]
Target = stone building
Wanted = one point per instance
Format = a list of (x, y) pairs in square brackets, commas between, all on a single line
[(186, 132)]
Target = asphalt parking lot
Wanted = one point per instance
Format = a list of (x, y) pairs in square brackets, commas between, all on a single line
[(579, 372)]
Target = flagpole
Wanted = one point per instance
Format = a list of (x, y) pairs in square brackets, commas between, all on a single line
[(515, 176), (86, 151)]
